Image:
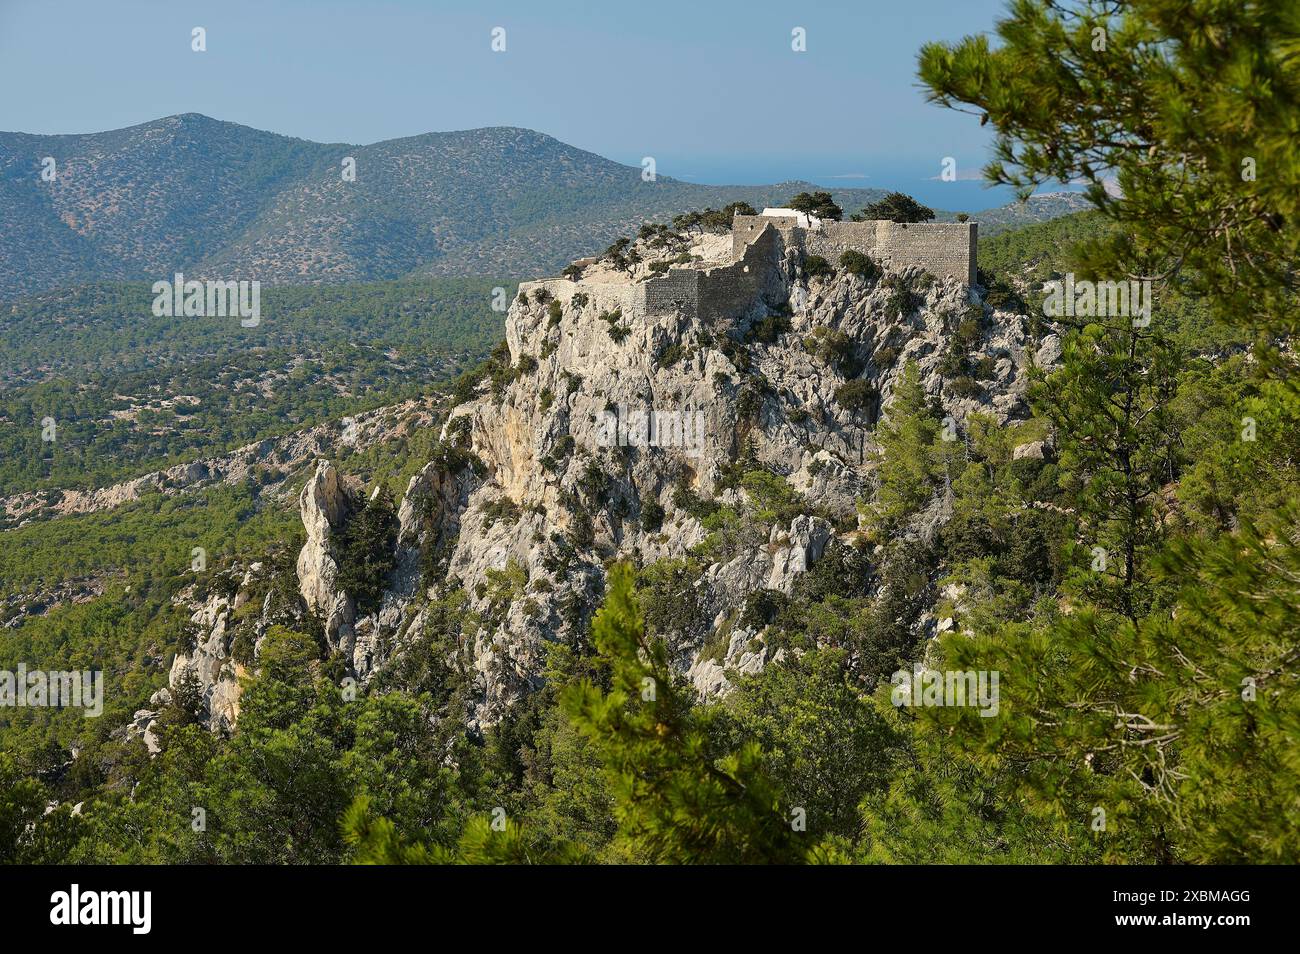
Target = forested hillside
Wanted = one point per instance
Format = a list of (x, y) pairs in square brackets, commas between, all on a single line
[(129, 392)]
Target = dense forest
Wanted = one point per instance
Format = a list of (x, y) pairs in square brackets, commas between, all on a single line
[(129, 392)]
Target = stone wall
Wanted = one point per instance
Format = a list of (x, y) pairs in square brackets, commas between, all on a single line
[(604, 296), (679, 290), (945, 249), (725, 291)]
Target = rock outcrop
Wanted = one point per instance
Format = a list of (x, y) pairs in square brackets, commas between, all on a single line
[(603, 434), (324, 506), (601, 427)]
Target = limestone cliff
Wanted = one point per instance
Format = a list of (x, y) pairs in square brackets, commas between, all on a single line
[(612, 419)]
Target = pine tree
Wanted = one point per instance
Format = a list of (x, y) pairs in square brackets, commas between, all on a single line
[(1110, 405), (907, 455), (682, 795), (1180, 115), (367, 551)]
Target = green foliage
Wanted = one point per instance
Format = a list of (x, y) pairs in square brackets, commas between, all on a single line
[(768, 330), (836, 349), (680, 794), (129, 392), (1154, 721), (652, 516), (819, 204), (1111, 405), (712, 220), (895, 207), (1160, 112), (859, 395), (903, 299), (814, 266), (367, 551), (823, 742), (28, 834), (855, 263), (908, 456)]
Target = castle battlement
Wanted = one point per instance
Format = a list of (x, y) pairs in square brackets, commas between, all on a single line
[(945, 249), (758, 245)]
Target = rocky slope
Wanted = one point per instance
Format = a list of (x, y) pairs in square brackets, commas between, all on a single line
[(270, 461), (538, 487)]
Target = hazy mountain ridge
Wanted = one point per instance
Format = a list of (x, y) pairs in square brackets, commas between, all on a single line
[(213, 198)]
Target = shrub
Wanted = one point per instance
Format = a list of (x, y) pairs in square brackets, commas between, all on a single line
[(652, 516), (769, 329), (815, 266), (761, 607), (885, 357), (562, 449), (858, 395), (836, 349), (670, 355), (855, 263), (501, 509), (896, 207)]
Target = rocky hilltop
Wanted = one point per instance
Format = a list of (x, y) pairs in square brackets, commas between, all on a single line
[(598, 434)]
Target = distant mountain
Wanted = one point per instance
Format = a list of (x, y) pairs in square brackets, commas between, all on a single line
[(1037, 208), (216, 199)]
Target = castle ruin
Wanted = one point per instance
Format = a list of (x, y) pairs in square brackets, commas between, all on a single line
[(758, 245), (945, 249)]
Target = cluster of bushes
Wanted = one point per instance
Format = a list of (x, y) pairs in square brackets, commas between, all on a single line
[(712, 220), (815, 266), (957, 364), (856, 263), (836, 349)]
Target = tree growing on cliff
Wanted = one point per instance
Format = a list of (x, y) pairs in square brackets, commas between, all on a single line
[(367, 551), (682, 794), (907, 472)]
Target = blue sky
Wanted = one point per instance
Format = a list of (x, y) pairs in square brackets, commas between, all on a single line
[(711, 89)]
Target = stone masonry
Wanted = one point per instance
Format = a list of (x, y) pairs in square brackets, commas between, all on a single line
[(946, 249), (759, 242)]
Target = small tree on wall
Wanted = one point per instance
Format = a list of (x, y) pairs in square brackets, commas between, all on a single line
[(819, 204), (895, 207)]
